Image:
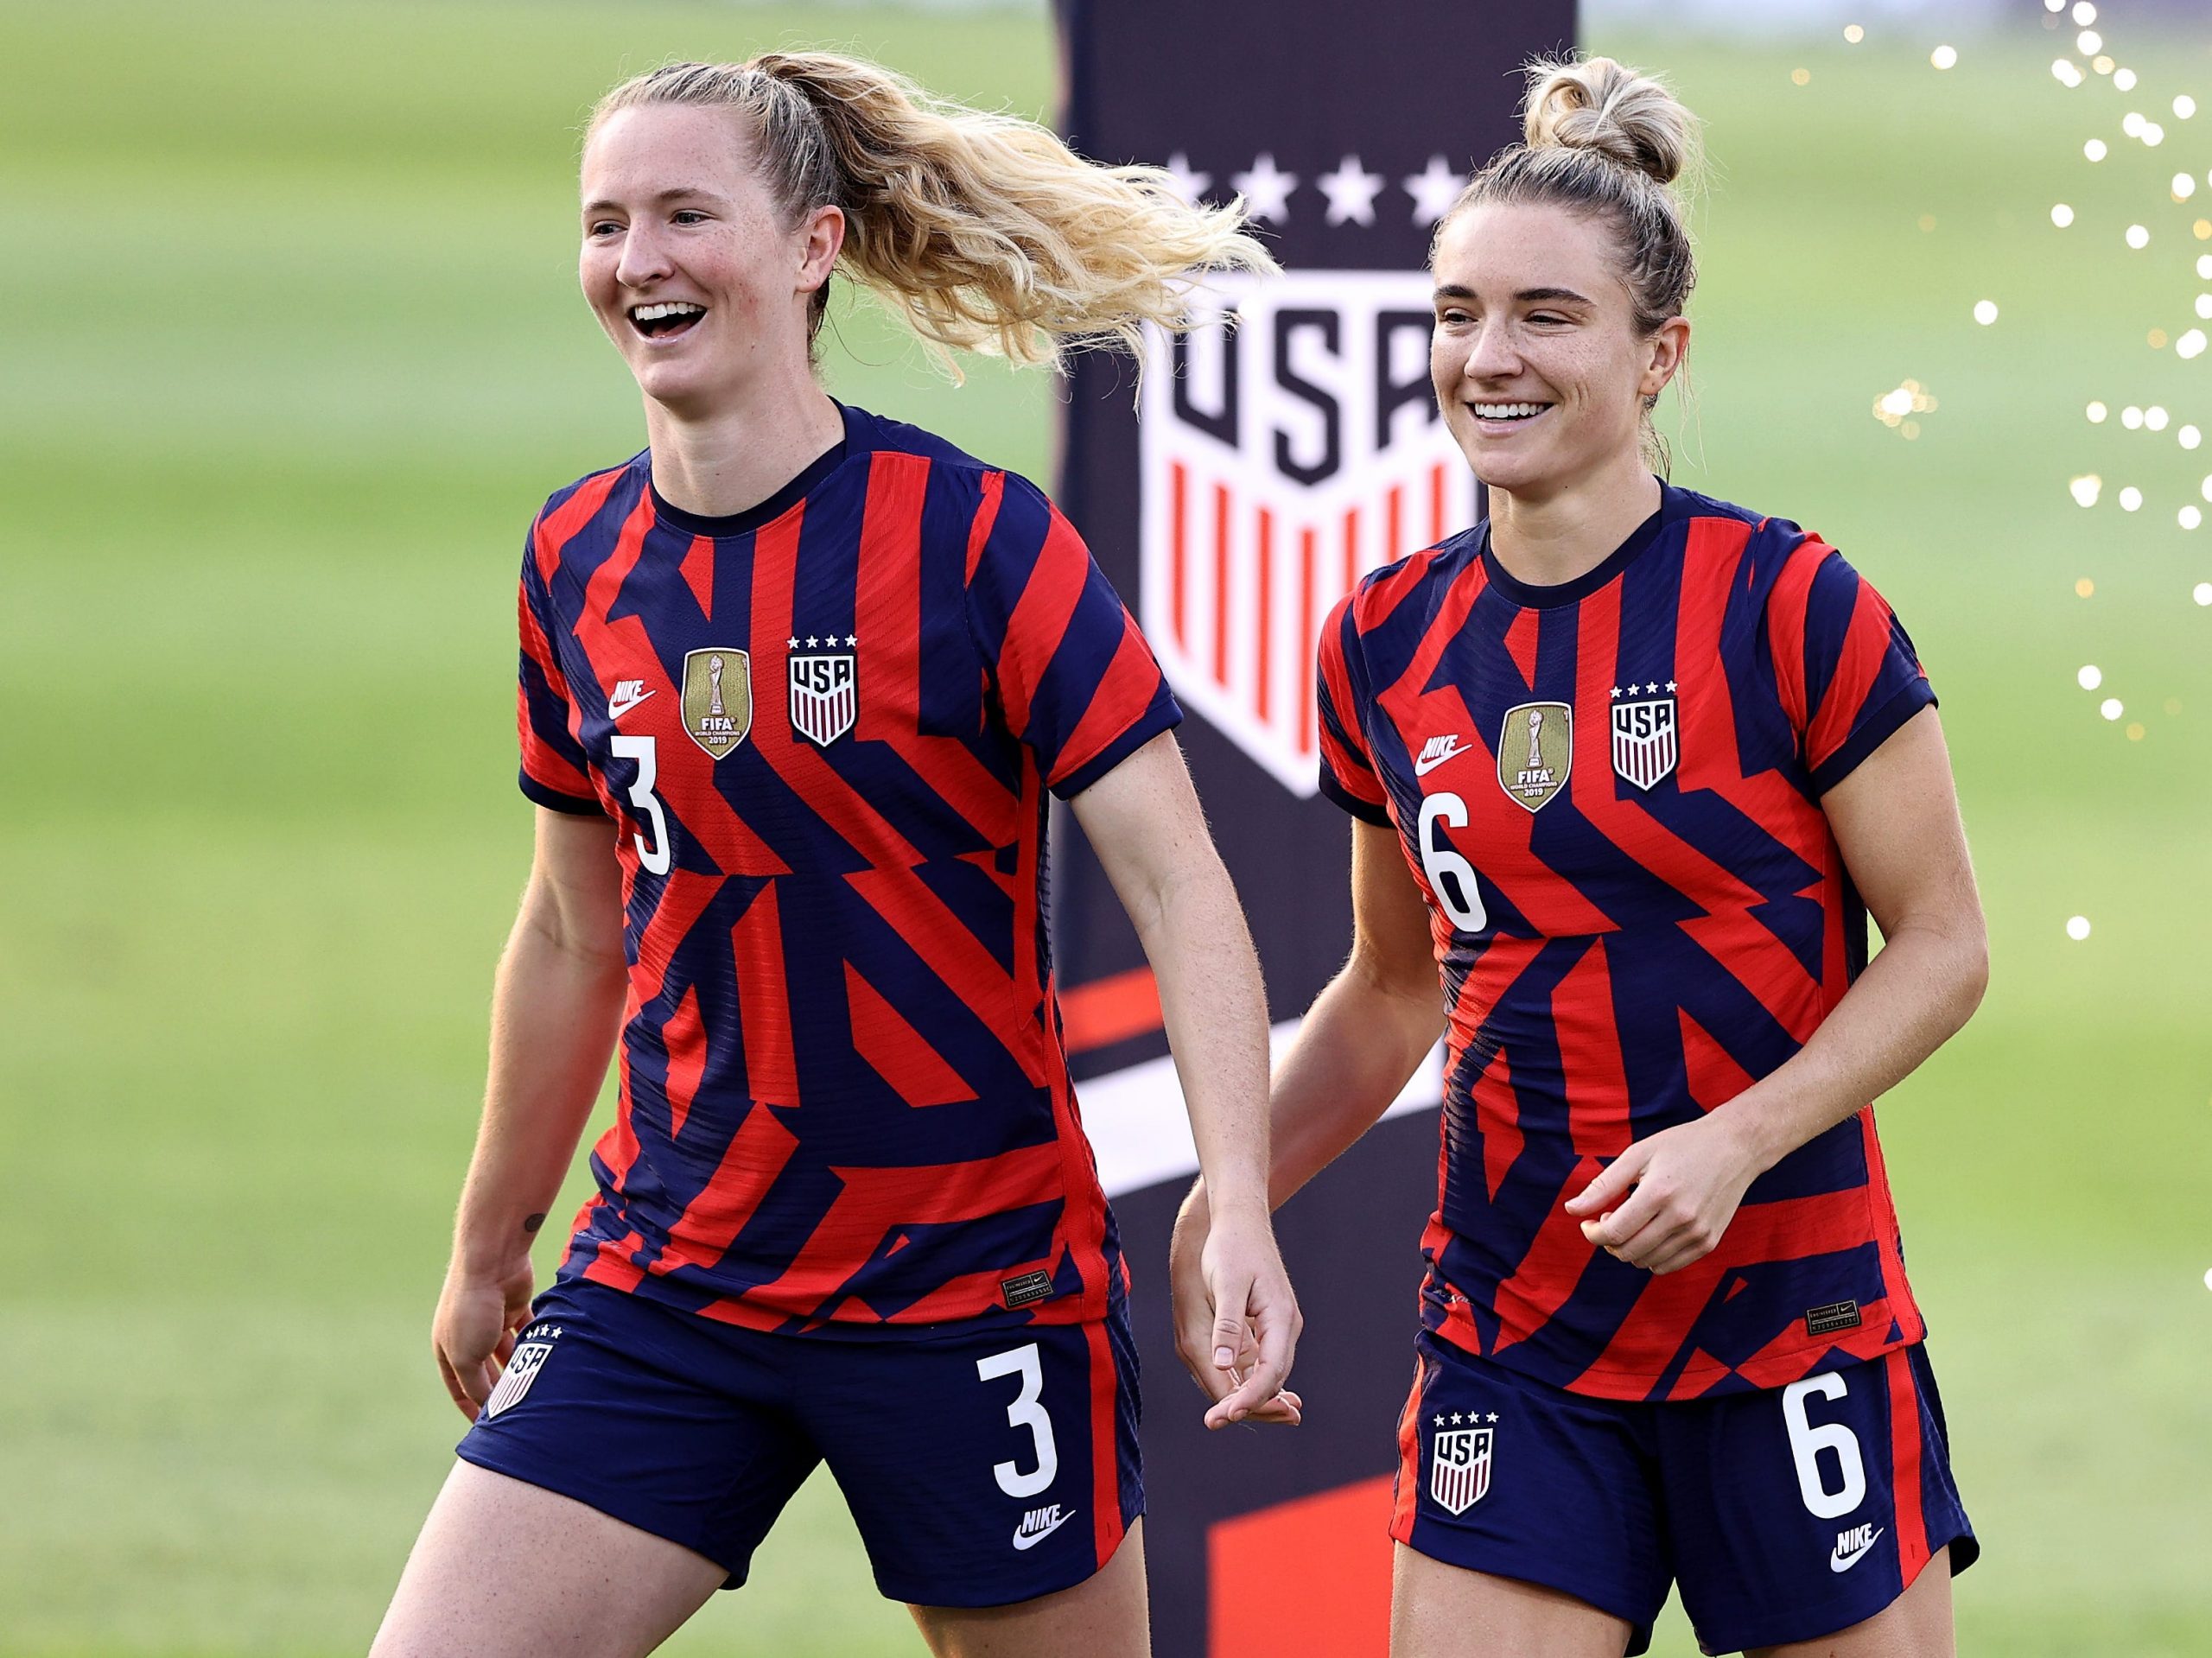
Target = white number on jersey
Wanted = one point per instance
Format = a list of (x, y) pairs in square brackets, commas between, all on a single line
[(1451, 877), (657, 856)]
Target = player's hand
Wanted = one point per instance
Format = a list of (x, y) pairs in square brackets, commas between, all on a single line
[(474, 1334), (1665, 1201), (1236, 1319)]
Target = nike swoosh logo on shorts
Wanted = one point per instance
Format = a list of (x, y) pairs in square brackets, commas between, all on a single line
[(1839, 1561), (1031, 1538)]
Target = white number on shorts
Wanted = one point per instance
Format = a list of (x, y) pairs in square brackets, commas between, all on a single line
[(1024, 1412), (1807, 1442), (1464, 906), (655, 856)]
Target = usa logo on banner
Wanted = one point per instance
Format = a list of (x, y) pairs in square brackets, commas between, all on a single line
[(1285, 451)]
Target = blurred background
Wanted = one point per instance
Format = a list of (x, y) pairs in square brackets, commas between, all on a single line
[(291, 350)]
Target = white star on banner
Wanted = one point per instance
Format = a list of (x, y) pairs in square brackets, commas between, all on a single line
[(1434, 190), (1266, 189), (850, 640), (1351, 193), (1189, 184)]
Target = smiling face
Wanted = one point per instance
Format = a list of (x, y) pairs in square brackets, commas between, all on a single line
[(1537, 363), (687, 262)]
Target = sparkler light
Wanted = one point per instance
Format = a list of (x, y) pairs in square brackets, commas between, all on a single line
[(1944, 57), (2111, 707), (2077, 929), (2062, 215), (2086, 487), (2090, 677), (1985, 312)]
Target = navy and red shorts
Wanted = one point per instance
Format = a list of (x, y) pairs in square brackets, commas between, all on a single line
[(1783, 1514), (983, 1466)]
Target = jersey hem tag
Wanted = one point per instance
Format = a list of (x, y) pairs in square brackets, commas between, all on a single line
[(1826, 1320), (1029, 1287)]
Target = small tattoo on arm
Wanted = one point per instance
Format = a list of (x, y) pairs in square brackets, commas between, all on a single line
[(534, 1222)]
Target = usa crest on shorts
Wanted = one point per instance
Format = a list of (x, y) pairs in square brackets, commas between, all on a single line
[(1280, 461), (522, 1370), (824, 694), (1458, 1467)]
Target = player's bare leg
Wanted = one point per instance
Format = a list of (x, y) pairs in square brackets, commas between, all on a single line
[(505, 1570), (1447, 1611), (1103, 1617), (1916, 1624)]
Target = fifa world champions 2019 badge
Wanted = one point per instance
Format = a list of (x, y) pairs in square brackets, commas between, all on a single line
[(1535, 752), (1645, 741), (1458, 1466), (718, 698), (825, 691)]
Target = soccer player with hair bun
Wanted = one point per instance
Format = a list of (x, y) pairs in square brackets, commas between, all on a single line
[(796, 685), (1628, 768)]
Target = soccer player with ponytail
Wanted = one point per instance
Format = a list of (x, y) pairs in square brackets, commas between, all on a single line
[(1628, 768), (796, 682)]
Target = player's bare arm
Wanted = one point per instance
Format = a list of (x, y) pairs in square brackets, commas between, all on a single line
[(1144, 821), (1896, 819), (1360, 1042), (557, 1009)]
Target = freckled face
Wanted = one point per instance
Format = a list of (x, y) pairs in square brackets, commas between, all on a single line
[(685, 261), (1537, 365)]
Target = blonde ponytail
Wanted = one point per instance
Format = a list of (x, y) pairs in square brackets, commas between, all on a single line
[(980, 231)]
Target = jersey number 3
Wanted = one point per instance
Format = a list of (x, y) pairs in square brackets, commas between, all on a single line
[(655, 855)]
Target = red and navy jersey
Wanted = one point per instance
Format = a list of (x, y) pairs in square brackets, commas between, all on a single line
[(1610, 793), (826, 728)]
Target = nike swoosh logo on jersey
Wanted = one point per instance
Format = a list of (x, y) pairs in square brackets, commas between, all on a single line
[(627, 697), (1024, 1538), (1839, 1561), (1435, 751)]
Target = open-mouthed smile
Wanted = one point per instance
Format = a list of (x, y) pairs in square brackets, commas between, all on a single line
[(665, 319)]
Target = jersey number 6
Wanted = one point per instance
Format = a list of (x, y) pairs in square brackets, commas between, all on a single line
[(1462, 900), (656, 855), (1024, 1412)]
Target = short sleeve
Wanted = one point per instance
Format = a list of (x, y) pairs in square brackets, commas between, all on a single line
[(555, 773), (1074, 677), (1845, 667), (1347, 774)]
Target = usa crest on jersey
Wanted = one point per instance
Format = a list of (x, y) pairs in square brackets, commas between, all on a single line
[(1278, 462), (1458, 1467), (824, 694), (1645, 746)]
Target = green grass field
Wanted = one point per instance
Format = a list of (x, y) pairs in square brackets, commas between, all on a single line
[(291, 350)]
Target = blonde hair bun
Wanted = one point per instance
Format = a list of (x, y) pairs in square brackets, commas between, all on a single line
[(1595, 104)]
